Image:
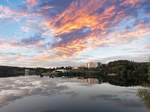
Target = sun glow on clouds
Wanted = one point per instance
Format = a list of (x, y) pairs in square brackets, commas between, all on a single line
[(82, 26), (78, 15)]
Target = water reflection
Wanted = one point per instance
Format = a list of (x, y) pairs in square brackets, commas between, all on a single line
[(34, 94), (89, 81)]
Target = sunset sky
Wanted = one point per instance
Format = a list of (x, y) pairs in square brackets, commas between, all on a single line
[(47, 33)]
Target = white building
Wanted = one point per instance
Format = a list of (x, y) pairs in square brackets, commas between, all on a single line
[(90, 65)]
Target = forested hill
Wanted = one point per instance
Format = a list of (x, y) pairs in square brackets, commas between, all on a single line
[(10, 71)]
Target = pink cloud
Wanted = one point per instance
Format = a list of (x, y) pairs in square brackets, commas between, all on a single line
[(131, 2), (7, 13), (32, 2)]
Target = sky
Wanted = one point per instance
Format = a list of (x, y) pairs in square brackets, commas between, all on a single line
[(50, 33)]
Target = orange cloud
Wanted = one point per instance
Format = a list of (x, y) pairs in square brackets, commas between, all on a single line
[(75, 47), (71, 48), (64, 51), (78, 16)]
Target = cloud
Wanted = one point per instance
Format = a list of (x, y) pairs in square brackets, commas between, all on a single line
[(8, 13), (131, 2), (33, 40), (77, 16), (35, 44), (32, 2), (98, 18), (68, 28)]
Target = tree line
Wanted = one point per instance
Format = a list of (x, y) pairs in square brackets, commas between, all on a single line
[(121, 72)]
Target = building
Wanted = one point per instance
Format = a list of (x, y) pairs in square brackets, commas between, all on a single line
[(91, 65)]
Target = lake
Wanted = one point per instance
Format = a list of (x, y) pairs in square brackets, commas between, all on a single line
[(35, 94)]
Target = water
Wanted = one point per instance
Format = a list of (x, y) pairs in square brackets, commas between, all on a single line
[(35, 94)]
